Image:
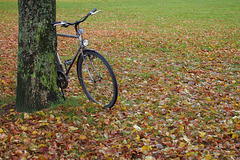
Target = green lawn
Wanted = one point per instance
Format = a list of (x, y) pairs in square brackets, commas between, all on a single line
[(178, 68)]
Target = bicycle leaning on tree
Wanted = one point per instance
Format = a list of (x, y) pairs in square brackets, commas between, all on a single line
[(95, 74)]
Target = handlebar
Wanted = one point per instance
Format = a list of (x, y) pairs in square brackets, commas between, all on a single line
[(66, 24), (94, 10)]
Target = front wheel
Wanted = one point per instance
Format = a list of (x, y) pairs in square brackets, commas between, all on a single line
[(97, 78)]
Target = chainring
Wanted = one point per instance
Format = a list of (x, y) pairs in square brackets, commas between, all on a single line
[(62, 81)]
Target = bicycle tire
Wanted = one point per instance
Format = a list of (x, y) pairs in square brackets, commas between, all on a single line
[(92, 81)]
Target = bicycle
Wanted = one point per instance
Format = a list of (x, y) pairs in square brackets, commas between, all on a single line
[(95, 74)]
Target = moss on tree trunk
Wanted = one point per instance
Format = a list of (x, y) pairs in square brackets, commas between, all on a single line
[(36, 75)]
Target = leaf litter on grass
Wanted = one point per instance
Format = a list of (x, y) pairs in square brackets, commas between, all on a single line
[(179, 97)]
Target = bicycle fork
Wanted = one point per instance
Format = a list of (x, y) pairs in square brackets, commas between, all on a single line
[(91, 62)]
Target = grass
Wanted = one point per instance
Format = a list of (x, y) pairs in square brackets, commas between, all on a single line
[(177, 66)]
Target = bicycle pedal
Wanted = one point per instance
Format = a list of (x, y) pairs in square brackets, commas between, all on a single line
[(68, 62)]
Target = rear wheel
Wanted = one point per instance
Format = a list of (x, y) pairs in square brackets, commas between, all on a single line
[(97, 78)]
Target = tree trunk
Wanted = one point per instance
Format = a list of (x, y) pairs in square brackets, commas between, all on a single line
[(36, 75)]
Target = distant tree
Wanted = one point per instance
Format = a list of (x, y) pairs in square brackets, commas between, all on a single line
[(36, 72)]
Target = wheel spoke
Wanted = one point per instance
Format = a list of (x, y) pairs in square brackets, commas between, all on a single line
[(97, 79)]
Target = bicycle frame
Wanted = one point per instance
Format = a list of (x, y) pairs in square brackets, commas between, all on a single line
[(80, 49), (79, 32)]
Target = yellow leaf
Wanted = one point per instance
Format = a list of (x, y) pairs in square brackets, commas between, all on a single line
[(25, 116), (1, 130), (209, 99), (82, 156), (58, 120), (44, 124), (26, 141), (208, 157), (49, 134), (202, 145), (213, 110), (51, 116), (23, 158), (234, 136), (210, 137), (145, 148), (137, 138), (181, 128), (167, 134), (19, 120), (40, 112), (125, 142), (232, 153), (33, 147), (202, 134), (119, 98), (186, 139), (41, 145), (149, 114), (182, 144), (124, 108), (23, 128), (149, 158), (137, 127), (82, 137), (34, 132), (71, 128)]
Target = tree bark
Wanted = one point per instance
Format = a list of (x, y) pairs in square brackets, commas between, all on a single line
[(36, 75)]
